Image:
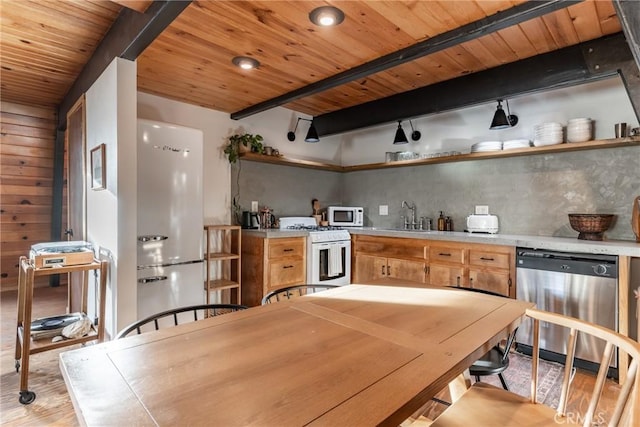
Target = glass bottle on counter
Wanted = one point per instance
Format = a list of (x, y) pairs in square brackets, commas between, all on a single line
[(441, 222), (448, 224)]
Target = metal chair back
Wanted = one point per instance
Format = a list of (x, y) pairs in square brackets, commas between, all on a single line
[(173, 317), (294, 291)]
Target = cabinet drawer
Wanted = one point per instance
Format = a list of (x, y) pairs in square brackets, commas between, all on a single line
[(390, 246), (446, 254), (279, 248), (286, 272), (488, 259)]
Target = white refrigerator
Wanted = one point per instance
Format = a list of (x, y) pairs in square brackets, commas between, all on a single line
[(170, 217)]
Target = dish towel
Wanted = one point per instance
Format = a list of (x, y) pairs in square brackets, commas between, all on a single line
[(335, 260)]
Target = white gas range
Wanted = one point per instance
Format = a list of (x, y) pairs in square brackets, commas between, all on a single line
[(328, 251)]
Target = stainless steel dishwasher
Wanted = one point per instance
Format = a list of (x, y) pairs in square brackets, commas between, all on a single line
[(578, 285)]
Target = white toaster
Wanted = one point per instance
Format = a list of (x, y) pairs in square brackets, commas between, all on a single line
[(482, 224)]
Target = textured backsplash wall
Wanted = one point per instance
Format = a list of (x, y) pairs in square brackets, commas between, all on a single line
[(285, 189), (531, 195)]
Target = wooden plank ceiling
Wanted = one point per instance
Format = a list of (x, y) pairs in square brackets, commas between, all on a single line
[(45, 43)]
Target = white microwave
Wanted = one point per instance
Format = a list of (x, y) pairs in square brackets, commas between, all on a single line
[(345, 216)]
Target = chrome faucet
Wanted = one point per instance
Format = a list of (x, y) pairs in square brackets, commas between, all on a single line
[(412, 207)]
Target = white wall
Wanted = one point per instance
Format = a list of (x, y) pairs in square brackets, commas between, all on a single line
[(111, 213), (273, 125), (605, 101)]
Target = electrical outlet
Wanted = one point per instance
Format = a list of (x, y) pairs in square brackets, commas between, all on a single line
[(383, 210), (482, 210), (254, 206)]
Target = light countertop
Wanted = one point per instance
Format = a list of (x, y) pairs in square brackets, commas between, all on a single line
[(564, 244)]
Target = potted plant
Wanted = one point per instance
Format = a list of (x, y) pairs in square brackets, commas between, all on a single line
[(239, 141)]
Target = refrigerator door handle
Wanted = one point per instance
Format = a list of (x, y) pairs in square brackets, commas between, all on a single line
[(152, 279), (152, 238)]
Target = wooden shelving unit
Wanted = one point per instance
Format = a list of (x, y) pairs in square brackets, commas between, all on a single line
[(559, 148), (25, 346), (222, 260)]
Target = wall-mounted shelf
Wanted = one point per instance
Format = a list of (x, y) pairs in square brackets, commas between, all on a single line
[(559, 148), (288, 161)]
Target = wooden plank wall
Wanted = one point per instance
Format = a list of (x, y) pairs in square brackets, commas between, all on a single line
[(26, 182)]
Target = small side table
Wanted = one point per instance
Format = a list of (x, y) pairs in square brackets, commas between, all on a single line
[(25, 346)]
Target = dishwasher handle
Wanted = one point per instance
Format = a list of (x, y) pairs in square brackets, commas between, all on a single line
[(566, 256)]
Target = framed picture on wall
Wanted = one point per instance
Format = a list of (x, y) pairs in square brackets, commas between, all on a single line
[(98, 170)]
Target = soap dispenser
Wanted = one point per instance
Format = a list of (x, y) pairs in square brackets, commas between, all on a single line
[(441, 222)]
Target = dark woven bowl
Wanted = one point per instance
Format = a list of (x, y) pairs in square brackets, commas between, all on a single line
[(590, 226)]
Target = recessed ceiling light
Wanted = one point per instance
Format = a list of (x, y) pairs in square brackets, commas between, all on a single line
[(245, 62), (326, 16)]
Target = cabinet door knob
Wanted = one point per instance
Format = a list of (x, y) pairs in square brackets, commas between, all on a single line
[(288, 250), (383, 270), (388, 271), (444, 254), (486, 259), (288, 266)]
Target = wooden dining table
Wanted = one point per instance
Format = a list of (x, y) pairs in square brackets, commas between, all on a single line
[(357, 355)]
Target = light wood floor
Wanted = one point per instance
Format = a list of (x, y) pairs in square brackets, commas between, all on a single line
[(53, 407)]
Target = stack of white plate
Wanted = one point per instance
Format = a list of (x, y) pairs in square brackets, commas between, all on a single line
[(486, 146), (579, 130), (516, 143), (548, 134)]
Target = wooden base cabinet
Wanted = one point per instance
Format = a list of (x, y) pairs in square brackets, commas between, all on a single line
[(404, 261), (391, 260), (372, 269), (491, 268), (269, 264), (472, 265), (447, 264)]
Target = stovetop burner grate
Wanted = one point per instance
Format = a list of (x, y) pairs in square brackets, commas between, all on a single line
[(314, 227)]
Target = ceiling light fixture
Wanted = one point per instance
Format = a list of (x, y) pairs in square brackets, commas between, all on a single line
[(326, 16), (400, 138), (312, 133), (245, 62), (415, 134), (502, 120)]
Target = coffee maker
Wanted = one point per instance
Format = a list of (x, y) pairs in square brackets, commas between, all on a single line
[(250, 220)]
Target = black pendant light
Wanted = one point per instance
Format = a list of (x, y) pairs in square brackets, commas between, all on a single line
[(312, 133), (502, 120), (400, 138)]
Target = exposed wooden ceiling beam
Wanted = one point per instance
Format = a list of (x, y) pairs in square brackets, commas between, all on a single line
[(629, 15), (572, 65), (507, 18), (129, 35)]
